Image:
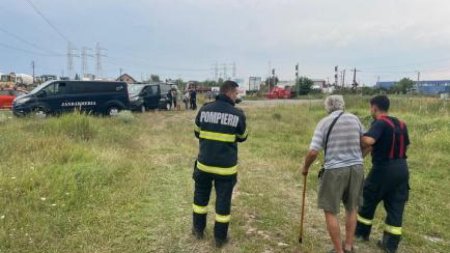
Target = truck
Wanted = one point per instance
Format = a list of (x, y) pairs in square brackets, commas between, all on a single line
[(278, 92)]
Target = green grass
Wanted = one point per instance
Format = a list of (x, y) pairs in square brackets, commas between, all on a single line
[(88, 184)]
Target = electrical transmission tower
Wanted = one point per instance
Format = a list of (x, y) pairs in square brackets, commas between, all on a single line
[(225, 76), (84, 55), (71, 53), (98, 59)]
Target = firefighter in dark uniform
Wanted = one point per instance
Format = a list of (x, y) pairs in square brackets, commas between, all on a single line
[(388, 180), (218, 126)]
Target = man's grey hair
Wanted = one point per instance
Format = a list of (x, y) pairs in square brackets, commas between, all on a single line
[(334, 103)]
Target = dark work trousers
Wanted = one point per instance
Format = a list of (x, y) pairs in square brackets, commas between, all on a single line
[(388, 183), (224, 190), (193, 103)]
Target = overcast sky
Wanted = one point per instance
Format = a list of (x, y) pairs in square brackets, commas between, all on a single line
[(388, 39)]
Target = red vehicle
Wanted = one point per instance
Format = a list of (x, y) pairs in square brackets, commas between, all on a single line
[(280, 92), (7, 96)]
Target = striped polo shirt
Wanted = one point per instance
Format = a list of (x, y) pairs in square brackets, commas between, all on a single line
[(344, 143)]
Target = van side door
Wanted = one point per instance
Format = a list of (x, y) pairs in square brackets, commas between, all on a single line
[(74, 98), (150, 96), (52, 96)]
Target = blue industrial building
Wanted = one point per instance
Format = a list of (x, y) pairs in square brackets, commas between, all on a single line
[(435, 87)]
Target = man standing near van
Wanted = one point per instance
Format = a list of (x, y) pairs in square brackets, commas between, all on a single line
[(218, 126), (193, 98), (341, 179), (388, 180), (174, 95)]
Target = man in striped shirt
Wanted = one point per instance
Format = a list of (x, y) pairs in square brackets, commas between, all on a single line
[(343, 174)]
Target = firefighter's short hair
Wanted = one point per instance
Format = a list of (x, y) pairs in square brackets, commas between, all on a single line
[(228, 86), (334, 103)]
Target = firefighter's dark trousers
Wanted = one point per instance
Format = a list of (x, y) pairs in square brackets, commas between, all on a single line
[(388, 183), (224, 190)]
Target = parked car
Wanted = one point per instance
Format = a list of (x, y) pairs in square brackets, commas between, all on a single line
[(7, 96), (55, 97), (149, 96)]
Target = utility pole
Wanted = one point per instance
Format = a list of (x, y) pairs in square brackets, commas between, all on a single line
[(343, 78), (418, 80), (33, 66), (120, 72), (354, 83), (272, 81), (296, 79), (216, 72), (98, 59), (335, 76)]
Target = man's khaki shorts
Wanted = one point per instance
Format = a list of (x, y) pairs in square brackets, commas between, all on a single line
[(342, 184)]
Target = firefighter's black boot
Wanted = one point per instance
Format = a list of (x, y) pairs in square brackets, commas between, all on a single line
[(221, 234), (362, 231), (389, 243), (199, 225)]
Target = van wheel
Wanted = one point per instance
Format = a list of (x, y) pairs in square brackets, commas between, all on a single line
[(40, 113), (113, 111)]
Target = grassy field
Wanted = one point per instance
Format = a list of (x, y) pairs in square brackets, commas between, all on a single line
[(86, 184)]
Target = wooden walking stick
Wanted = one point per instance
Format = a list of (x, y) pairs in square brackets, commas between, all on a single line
[(300, 237)]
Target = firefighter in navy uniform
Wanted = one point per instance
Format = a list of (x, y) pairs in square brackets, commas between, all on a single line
[(388, 180), (218, 126)]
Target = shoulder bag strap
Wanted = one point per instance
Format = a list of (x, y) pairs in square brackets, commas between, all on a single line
[(328, 134)]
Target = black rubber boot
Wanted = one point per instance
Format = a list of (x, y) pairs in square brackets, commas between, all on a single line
[(221, 233), (389, 243), (362, 232), (198, 234), (199, 225)]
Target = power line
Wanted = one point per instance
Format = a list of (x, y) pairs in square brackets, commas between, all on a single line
[(47, 20), (27, 42), (27, 51)]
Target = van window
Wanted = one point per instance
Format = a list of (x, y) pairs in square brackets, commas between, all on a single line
[(51, 89), (19, 93), (152, 90), (98, 87), (165, 88)]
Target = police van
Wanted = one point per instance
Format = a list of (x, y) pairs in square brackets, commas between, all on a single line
[(55, 97)]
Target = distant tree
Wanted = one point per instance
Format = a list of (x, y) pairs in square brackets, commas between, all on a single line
[(366, 90), (403, 86), (220, 81), (77, 77), (303, 85), (154, 78), (209, 83)]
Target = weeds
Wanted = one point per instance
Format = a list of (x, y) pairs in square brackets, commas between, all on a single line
[(78, 183)]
